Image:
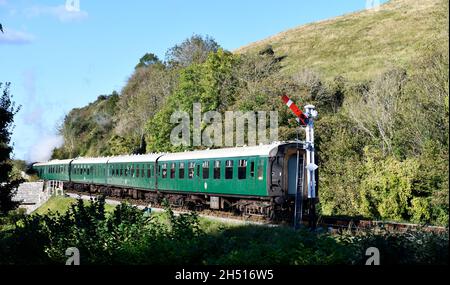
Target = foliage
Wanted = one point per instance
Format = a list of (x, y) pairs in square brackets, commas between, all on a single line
[(140, 100), (18, 166), (87, 130), (148, 59), (8, 184), (129, 236), (193, 50), (209, 83)]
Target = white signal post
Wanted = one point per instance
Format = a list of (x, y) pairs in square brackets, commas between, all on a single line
[(311, 166), (305, 120)]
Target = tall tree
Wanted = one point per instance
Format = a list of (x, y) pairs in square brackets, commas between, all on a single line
[(147, 60), (141, 98), (7, 186), (193, 50)]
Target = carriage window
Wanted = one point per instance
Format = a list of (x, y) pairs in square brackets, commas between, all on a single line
[(217, 169), (198, 170), (164, 170), (191, 170), (205, 169), (121, 170), (229, 169), (138, 171), (87, 171), (242, 169), (252, 169), (181, 171), (143, 171), (172, 170), (260, 169), (148, 171)]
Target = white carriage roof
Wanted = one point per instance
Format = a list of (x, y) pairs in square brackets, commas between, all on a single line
[(90, 160), (261, 150), (54, 162), (135, 158)]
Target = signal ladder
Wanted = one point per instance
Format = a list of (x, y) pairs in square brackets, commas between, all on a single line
[(298, 211)]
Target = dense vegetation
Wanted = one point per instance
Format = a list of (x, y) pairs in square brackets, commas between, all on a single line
[(129, 236), (381, 92), (8, 178)]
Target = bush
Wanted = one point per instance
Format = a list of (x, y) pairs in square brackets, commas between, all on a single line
[(128, 236)]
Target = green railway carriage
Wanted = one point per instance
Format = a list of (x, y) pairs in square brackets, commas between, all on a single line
[(89, 170), (54, 170), (238, 171), (133, 171), (254, 179)]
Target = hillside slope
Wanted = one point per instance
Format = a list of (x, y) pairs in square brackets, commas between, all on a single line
[(363, 44)]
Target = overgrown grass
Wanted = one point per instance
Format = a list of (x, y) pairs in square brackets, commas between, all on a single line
[(361, 45), (61, 204)]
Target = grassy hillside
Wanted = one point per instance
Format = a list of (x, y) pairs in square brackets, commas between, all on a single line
[(361, 45)]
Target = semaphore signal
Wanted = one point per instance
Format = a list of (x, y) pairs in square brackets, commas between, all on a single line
[(305, 120), (302, 119)]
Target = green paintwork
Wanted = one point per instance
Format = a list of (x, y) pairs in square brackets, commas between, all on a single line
[(125, 175), (252, 185)]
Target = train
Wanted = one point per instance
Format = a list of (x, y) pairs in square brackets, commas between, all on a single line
[(251, 180)]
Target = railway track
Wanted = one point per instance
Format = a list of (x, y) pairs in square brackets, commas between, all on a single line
[(330, 223), (210, 214)]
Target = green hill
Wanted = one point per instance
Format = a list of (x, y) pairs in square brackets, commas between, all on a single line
[(361, 45)]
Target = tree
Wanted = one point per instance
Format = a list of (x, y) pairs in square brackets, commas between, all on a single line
[(147, 60), (193, 50), (140, 100), (210, 83), (8, 186)]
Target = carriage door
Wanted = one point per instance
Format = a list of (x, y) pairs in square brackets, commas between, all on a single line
[(292, 167)]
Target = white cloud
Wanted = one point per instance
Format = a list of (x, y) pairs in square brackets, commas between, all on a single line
[(42, 150), (61, 12), (13, 37)]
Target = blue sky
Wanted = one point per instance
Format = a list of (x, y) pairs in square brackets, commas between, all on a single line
[(59, 58)]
